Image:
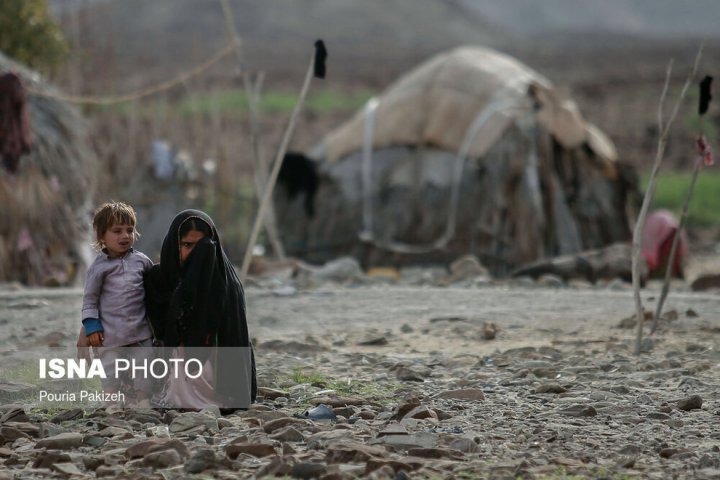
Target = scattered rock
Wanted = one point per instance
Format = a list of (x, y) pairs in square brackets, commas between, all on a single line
[(288, 434), (308, 470), (201, 460), (437, 453), (352, 452), (421, 412), (470, 394), (280, 423), (465, 445), (47, 459), (68, 469), (271, 393), (67, 415), (254, 449), (488, 331), (63, 441), (10, 434), (706, 282), (13, 413), (693, 402), (579, 411), (162, 459), (336, 401), (550, 388), (373, 341), (393, 429), (465, 268), (194, 421)]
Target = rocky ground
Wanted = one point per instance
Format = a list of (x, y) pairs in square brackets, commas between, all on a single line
[(422, 376)]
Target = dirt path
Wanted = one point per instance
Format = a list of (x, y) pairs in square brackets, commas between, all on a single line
[(556, 392)]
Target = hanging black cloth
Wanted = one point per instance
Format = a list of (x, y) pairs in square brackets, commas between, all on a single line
[(15, 139), (200, 303)]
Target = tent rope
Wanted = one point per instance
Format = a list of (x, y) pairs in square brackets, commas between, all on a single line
[(499, 105)]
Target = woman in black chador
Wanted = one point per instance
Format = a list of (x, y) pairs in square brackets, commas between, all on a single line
[(195, 299)]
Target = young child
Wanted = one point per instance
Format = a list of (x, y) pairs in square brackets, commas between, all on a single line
[(113, 311)]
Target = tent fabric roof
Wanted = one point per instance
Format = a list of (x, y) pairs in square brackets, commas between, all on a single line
[(436, 103)]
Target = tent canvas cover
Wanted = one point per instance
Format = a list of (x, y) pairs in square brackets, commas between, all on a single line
[(470, 152), (44, 225)]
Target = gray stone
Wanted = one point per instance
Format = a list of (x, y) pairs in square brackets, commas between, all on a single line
[(212, 410), (66, 415), (63, 441), (109, 471), (271, 393), (47, 459), (279, 423), (469, 394), (550, 388), (693, 402), (417, 440), (200, 461), (192, 420), (92, 462), (95, 440), (162, 459), (405, 374), (13, 413), (579, 411), (10, 434), (141, 449), (68, 469), (393, 429), (288, 434), (421, 412), (465, 445), (254, 449), (308, 470)]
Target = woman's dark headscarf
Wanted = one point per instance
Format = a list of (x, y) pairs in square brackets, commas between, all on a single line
[(200, 302)]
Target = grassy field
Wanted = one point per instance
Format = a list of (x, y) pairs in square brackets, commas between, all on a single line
[(672, 189)]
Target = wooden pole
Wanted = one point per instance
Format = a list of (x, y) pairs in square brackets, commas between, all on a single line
[(267, 194), (663, 131)]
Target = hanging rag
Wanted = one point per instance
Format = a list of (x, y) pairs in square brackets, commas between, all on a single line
[(14, 121)]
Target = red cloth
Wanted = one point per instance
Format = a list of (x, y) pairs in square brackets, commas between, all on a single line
[(657, 237), (15, 137)]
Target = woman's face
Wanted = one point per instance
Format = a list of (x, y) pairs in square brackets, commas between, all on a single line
[(188, 242)]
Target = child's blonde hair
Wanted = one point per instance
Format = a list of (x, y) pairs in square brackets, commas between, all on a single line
[(109, 214)]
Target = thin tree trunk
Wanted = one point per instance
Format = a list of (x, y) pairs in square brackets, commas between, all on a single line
[(663, 131)]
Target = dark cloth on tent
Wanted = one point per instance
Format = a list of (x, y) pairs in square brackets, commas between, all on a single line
[(15, 139), (200, 303)]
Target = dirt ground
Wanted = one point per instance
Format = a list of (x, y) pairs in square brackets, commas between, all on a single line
[(562, 393)]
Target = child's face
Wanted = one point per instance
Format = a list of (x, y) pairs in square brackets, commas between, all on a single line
[(118, 239), (188, 242)]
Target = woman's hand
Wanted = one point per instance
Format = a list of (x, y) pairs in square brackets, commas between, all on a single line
[(96, 339)]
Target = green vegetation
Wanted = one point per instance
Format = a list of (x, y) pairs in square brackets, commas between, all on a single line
[(371, 391), (30, 36), (272, 101), (672, 189), (313, 378)]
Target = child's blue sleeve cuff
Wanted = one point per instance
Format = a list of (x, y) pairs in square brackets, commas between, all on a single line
[(92, 325)]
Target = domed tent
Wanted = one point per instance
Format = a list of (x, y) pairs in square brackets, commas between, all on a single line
[(44, 236), (470, 152)]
